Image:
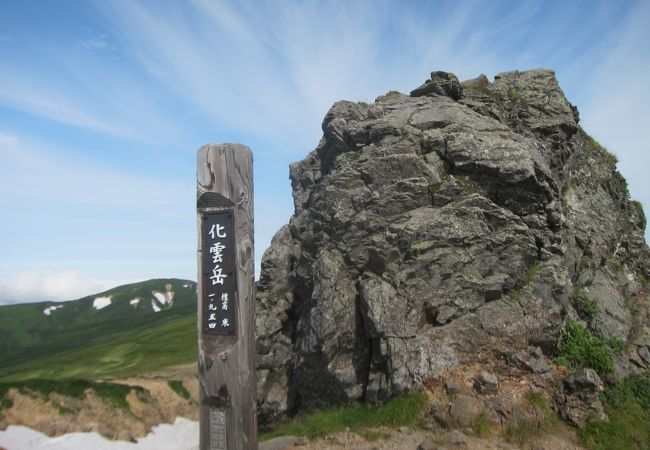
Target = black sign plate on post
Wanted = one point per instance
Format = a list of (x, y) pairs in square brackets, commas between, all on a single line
[(218, 262)]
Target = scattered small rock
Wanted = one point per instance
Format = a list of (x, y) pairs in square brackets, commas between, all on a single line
[(464, 410), (500, 406), (582, 401), (403, 429), (530, 359), (583, 379), (454, 438), (428, 445), (451, 387), (580, 407), (486, 383), (279, 443)]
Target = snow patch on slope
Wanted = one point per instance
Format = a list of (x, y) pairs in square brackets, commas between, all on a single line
[(182, 435), (101, 302), (160, 296), (50, 309), (162, 300)]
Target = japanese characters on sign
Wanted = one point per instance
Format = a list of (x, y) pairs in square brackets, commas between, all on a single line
[(218, 273)]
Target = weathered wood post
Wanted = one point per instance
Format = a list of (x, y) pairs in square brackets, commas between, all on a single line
[(226, 288)]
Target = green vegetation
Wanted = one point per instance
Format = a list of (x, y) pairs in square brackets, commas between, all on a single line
[(6, 403), (272, 379), (481, 426), (586, 306), (637, 206), (466, 184), (129, 353), (406, 410), (530, 273), (455, 128), (623, 182), (27, 333), (433, 187), (525, 280), (77, 341), (628, 406), (76, 388), (525, 428), (578, 347), (177, 386), (64, 410), (516, 99), (536, 400), (388, 96), (523, 431), (495, 130), (598, 149)]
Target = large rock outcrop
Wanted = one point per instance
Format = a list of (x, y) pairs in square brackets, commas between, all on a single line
[(439, 229)]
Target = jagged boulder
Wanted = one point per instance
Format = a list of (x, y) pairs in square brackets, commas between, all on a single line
[(440, 228)]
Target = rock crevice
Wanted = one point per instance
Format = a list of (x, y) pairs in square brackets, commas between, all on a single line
[(434, 229)]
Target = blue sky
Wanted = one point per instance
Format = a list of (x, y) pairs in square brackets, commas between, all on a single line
[(103, 105)]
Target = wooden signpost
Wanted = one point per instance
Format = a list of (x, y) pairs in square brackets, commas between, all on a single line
[(226, 288)]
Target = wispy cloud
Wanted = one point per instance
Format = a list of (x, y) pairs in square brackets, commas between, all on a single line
[(88, 91), (99, 42), (274, 68), (278, 77), (41, 285), (39, 172)]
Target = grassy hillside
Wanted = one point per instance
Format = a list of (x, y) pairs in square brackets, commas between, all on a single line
[(81, 341)]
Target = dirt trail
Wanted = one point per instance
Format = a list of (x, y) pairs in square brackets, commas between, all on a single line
[(403, 439)]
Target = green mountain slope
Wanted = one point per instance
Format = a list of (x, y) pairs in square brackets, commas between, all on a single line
[(122, 338)]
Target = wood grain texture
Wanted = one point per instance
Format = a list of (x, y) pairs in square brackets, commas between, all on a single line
[(227, 363)]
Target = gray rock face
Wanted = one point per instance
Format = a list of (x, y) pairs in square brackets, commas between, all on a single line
[(440, 83), (581, 401), (486, 383), (583, 379), (531, 359), (437, 229), (465, 410)]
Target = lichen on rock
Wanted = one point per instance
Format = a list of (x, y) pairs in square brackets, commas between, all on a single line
[(434, 229)]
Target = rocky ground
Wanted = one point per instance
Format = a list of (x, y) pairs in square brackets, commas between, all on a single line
[(57, 414), (406, 439)]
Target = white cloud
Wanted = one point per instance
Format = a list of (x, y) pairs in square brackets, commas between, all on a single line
[(273, 69), (85, 90), (39, 173), (33, 98), (99, 42), (26, 286)]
